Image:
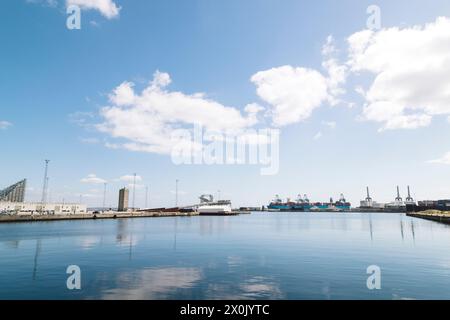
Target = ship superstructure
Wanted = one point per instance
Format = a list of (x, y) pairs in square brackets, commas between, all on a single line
[(208, 206)]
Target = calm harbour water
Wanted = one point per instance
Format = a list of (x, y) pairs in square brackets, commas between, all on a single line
[(258, 256)]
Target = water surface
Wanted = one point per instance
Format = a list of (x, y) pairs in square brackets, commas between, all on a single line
[(258, 256)]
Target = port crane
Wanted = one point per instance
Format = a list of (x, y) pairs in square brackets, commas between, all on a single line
[(399, 198), (409, 198), (368, 199)]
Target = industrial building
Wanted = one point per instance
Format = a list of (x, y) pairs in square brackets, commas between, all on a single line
[(441, 205), (14, 193), (12, 201), (39, 208), (123, 199)]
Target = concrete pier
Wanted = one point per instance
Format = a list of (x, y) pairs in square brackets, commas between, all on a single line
[(100, 216), (434, 215)]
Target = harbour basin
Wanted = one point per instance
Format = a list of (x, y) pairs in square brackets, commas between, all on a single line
[(259, 256)]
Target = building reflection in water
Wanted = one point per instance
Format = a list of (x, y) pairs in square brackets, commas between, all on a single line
[(125, 237), (122, 230)]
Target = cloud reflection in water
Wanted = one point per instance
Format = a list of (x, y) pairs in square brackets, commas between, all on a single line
[(152, 284)]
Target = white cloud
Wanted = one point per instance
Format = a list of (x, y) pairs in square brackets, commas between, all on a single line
[(165, 282), (329, 48), (412, 73), (93, 179), (130, 178), (293, 93), (330, 124), (318, 136), (113, 146), (123, 95), (411, 68), (5, 125), (253, 110), (336, 73), (146, 120), (138, 186), (107, 8), (444, 160), (81, 119)]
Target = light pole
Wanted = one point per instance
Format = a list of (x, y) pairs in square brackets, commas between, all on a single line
[(104, 195), (146, 197), (176, 193), (134, 190)]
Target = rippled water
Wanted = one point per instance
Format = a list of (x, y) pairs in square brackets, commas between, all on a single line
[(258, 256)]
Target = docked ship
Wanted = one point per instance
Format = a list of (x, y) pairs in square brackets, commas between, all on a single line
[(303, 204), (278, 205), (208, 206), (342, 204), (332, 206)]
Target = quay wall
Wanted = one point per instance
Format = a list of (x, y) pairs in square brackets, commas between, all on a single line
[(434, 216), (4, 218)]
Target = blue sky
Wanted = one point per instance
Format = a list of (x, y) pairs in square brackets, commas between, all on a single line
[(52, 78)]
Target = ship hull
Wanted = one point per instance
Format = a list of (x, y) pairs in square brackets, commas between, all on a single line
[(279, 207)]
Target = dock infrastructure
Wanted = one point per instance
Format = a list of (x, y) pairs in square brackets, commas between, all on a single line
[(5, 218), (435, 215)]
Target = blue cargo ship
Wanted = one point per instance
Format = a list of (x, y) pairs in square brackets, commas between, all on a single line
[(302, 204), (278, 205)]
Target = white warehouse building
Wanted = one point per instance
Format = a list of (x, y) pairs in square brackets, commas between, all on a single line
[(39, 208)]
